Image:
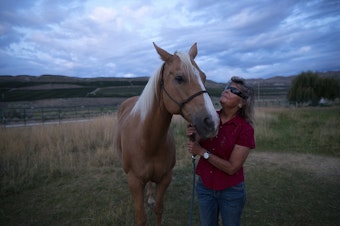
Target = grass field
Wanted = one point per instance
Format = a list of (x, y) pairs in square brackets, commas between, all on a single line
[(69, 174)]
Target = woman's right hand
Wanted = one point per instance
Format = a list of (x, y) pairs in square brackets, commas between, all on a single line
[(192, 133), (190, 130)]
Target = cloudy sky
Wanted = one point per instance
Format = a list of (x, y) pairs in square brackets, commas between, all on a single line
[(113, 38)]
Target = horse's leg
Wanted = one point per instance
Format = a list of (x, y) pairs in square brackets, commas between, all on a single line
[(137, 191), (149, 193), (160, 191)]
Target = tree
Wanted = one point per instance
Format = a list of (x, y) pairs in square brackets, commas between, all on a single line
[(329, 88), (308, 87)]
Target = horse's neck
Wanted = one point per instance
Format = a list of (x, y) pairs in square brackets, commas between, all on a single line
[(157, 121)]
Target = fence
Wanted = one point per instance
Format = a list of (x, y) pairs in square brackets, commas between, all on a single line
[(28, 116), (11, 117), (271, 103)]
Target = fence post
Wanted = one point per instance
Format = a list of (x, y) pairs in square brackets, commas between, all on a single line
[(42, 115), (24, 116), (3, 118), (59, 115)]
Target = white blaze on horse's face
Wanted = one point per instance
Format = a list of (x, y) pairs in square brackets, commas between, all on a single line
[(211, 118)]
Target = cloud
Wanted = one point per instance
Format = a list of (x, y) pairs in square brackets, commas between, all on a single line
[(114, 38)]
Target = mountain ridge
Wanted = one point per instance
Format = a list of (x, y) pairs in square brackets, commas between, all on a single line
[(67, 79)]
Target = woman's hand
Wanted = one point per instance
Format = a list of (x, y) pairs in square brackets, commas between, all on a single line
[(193, 146), (192, 133)]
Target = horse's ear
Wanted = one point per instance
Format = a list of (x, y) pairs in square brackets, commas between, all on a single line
[(165, 56), (193, 51)]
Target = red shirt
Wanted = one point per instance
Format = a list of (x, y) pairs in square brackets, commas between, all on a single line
[(235, 131)]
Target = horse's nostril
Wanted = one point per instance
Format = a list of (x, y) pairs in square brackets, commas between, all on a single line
[(208, 122)]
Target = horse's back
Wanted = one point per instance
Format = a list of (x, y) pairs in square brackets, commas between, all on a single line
[(126, 107)]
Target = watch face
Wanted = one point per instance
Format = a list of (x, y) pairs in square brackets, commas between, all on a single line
[(206, 155)]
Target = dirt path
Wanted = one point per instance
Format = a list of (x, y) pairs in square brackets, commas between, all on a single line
[(320, 165)]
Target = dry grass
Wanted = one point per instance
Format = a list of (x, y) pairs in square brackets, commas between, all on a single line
[(38, 153), (303, 130), (69, 173), (264, 118), (43, 152)]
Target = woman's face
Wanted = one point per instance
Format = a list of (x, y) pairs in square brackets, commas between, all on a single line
[(230, 96)]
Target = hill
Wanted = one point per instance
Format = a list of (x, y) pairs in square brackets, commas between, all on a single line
[(31, 88)]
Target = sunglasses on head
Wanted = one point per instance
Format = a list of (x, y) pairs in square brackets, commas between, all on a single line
[(236, 92)]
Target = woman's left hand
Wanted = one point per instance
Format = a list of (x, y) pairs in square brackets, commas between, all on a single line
[(194, 148)]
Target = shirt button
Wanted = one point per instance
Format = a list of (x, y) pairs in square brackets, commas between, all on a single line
[(210, 172)]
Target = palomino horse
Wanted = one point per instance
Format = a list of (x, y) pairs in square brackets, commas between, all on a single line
[(143, 139)]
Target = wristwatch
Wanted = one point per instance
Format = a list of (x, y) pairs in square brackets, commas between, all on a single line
[(206, 155)]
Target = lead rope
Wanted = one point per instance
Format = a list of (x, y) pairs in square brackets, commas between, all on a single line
[(193, 157), (193, 188)]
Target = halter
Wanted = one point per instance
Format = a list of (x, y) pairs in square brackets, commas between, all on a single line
[(180, 105)]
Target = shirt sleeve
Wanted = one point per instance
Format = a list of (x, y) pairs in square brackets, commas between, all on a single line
[(246, 137)]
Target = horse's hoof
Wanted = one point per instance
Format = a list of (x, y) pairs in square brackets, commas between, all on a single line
[(151, 203)]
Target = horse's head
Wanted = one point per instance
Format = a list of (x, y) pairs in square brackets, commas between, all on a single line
[(183, 91)]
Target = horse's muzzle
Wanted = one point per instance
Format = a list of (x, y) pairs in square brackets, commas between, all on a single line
[(206, 125)]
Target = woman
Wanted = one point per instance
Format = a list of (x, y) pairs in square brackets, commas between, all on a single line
[(220, 187)]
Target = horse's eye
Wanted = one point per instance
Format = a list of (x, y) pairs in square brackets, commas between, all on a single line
[(179, 79)]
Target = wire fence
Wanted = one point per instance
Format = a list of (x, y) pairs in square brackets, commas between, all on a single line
[(271, 103), (12, 117), (15, 117)]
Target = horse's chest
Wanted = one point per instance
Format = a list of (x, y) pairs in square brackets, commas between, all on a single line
[(154, 167), (158, 170)]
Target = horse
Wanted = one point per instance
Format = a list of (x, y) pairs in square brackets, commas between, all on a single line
[(143, 137)]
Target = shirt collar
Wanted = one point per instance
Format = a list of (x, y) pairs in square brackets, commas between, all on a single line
[(235, 120)]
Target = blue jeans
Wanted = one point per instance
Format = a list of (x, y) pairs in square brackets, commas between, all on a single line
[(228, 202)]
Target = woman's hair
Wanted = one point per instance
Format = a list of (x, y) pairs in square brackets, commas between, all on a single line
[(247, 110)]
